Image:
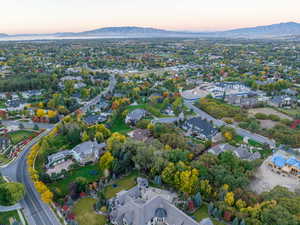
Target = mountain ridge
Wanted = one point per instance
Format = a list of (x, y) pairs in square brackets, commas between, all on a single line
[(268, 31)]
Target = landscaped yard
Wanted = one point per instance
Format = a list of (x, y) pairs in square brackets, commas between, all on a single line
[(20, 135), (6, 217), (202, 213), (85, 214), (123, 183), (90, 172)]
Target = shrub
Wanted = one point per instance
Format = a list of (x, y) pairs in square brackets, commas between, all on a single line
[(261, 116)]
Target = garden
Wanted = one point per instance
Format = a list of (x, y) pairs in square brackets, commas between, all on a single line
[(85, 214)]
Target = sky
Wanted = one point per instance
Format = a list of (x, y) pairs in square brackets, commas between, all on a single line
[(49, 16)]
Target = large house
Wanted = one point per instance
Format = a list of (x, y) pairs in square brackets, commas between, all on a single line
[(290, 166), (241, 152), (134, 116), (200, 128), (143, 205), (83, 153)]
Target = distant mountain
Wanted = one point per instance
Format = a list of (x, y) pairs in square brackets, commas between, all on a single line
[(274, 30), (3, 35), (125, 31), (282, 30)]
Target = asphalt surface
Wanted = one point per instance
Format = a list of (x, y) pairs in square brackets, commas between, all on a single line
[(218, 123), (35, 211)]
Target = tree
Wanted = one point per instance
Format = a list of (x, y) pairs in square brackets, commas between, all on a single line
[(168, 174), (278, 215), (40, 112), (198, 199), (240, 204), (115, 137), (229, 198), (81, 183), (106, 162), (36, 127), (99, 137), (235, 221), (85, 137), (11, 193)]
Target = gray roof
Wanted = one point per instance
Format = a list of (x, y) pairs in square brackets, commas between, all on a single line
[(217, 149), (202, 126), (88, 147), (136, 114)]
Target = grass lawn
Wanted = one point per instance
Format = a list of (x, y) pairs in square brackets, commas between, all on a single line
[(123, 183), (5, 216), (85, 214), (120, 126), (86, 172), (20, 135), (202, 213)]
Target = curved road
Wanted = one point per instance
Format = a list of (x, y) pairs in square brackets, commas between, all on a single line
[(35, 211), (219, 123)]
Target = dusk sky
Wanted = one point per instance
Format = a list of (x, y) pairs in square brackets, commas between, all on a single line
[(48, 16)]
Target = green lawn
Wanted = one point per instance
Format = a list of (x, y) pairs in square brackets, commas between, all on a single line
[(20, 135), (120, 126), (202, 213), (85, 214), (5, 216), (86, 171), (124, 183)]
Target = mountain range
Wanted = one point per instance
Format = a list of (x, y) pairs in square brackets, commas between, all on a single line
[(281, 30)]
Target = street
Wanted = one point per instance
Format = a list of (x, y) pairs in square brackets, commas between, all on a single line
[(35, 210), (219, 123)]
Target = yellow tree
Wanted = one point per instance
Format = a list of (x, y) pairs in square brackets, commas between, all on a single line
[(40, 112), (115, 137), (229, 198), (106, 162), (85, 137)]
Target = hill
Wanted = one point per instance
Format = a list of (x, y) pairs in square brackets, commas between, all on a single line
[(274, 30)]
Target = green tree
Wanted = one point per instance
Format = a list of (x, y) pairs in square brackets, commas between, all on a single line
[(11, 193)]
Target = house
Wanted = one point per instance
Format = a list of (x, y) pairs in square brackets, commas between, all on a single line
[(134, 116), (5, 142), (88, 151), (140, 134), (200, 128), (241, 152), (289, 166), (282, 101), (83, 153), (143, 205), (93, 119), (289, 92)]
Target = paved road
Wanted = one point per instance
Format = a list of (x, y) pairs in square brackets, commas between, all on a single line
[(37, 212), (239, 131)]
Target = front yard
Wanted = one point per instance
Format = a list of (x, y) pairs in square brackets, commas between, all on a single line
[(20, 135), (90, 172), (85, 214), (124, 183)]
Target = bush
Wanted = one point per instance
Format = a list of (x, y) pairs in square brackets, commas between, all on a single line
[(274, 117), (261, 116)]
